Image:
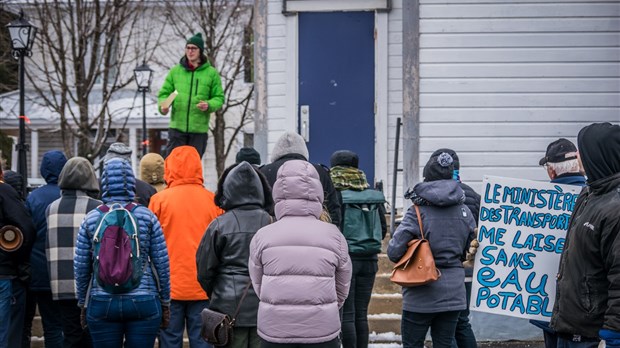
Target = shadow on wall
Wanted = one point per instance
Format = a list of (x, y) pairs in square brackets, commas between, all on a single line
[(493, 327)]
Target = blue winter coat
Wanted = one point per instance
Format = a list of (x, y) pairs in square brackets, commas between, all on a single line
[(449, 227), (37, 203), (118, 185)]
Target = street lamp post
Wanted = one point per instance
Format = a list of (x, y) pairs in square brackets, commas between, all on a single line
[(22, 35), (143, 75)]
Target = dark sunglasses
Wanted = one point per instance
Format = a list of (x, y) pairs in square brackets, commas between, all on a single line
[(191, 48)]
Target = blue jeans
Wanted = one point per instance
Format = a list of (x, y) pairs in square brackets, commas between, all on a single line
[(134, 319), (564, 343), (184, 314), (6, 296), (415, 325), (355, 308), (464, 336)]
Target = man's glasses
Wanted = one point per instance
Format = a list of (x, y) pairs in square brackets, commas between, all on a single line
[(191, 48)]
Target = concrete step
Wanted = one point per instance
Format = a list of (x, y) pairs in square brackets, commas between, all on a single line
[(383, 285), (385, 265), (385, 303), (37, 327), (385, 324)]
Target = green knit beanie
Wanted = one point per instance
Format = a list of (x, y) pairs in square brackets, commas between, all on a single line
[(198, 41)]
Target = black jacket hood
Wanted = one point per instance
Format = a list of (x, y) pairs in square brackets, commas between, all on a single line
[(242, 186), (599, 149)]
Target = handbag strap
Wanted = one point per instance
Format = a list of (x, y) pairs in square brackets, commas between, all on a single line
[(417, 212), (245, 292)]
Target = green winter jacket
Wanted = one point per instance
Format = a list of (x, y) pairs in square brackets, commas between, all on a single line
[(192, 86)]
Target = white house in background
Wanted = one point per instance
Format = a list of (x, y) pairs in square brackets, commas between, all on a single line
[(495, 80), (43, 129)]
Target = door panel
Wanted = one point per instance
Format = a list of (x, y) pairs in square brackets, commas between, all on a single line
[(336, 85)]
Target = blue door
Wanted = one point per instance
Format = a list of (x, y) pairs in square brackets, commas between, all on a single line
[(336, 85)]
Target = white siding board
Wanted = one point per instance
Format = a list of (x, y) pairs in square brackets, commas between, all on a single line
[(277, 42), (543, 85), (277, 78), (510, 55), (534, 116), (504, 159), (520, 10), (276, 65), (522, 99), (520, 40), (466, 143), (274, 7), (521, 25), (503, 129), (520, 70), (276, 30)]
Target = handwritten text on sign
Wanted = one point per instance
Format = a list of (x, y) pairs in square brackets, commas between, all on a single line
[(522, 227)]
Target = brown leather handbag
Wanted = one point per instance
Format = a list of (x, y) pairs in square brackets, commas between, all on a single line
[(217, 328), (417, 266)]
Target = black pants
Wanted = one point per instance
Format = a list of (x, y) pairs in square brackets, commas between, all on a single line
[(355, 309), (74, 336), (177, 138), (52, 326), (414, 327), (335, 343), (464, 335)]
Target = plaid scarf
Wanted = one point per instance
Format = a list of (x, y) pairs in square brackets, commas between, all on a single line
[(348, 178)]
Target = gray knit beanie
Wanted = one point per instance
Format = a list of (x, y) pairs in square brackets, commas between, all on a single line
[(289, 143), (118, 150)]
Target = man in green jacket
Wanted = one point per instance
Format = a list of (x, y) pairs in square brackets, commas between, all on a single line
[(200, 93)]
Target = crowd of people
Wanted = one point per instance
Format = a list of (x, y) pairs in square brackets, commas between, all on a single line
[(269, 249)]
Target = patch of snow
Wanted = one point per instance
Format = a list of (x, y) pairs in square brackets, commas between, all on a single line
[(384, 316), (394, 295), (384, 337)]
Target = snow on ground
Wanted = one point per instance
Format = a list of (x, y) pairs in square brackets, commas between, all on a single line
[(384, 337)]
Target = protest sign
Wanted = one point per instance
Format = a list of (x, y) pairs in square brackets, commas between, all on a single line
[(522, 228)]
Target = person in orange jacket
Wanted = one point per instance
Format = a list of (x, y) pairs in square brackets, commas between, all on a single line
[(185, 209)]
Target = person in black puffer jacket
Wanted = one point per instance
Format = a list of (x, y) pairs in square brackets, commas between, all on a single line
[(587, 300), (222, 256), (291, 146)]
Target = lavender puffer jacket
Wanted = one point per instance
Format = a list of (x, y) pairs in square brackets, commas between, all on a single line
[(299, 265)]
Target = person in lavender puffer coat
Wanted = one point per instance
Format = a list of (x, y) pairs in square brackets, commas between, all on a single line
[(299, 265), (133, 317)]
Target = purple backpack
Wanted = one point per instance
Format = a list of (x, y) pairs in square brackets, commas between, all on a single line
[(116, 249)]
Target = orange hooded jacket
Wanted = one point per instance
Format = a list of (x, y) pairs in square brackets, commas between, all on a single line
[(185, 209)]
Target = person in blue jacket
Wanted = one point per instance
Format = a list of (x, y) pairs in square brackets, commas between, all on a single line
[(39, 292), (133, 317)]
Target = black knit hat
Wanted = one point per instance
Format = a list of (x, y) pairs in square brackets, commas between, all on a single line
[(559, 151), (455, 157), (344, 158), (198, 41), (249, 155), (14, 179), (439, 167)]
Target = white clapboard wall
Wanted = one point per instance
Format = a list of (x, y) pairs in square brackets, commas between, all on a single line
[(500, 80)]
